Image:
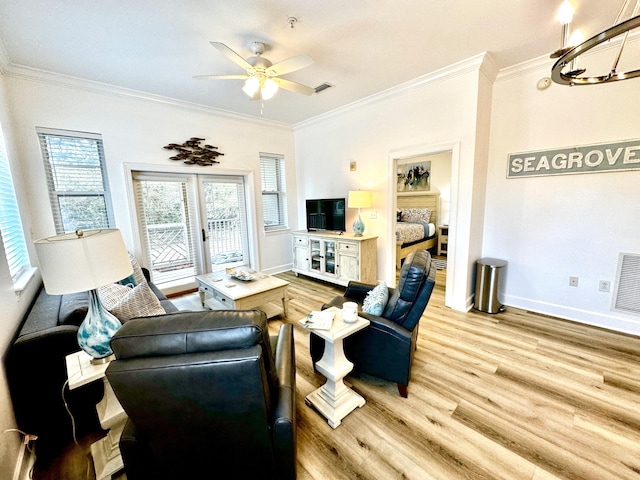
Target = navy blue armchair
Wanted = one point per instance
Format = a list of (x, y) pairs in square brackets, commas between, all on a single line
[(385, 348)]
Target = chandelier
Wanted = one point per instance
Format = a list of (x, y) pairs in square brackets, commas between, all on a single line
[(566, 72)]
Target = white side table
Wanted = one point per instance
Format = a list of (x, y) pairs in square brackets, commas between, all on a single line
[(334, 400), (105, 452)]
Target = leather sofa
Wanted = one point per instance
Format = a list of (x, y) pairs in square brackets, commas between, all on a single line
[(207, 394), (37, 373), (385, 348)]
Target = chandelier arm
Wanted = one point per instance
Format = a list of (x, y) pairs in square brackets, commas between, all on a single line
[(565, 59)]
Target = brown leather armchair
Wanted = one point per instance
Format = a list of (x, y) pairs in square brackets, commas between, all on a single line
[(385, 348), (207, 394)]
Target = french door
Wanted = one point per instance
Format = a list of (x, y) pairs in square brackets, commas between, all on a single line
[(191, 224)]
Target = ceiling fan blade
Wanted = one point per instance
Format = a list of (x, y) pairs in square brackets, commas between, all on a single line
[(294, 86), (221, 77), (231, 55), (290, 65)]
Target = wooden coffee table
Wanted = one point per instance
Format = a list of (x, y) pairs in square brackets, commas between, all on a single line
[(219, 291)]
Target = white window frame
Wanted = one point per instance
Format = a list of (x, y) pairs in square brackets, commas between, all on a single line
[(274, 165), (54, 196), (13, 239)]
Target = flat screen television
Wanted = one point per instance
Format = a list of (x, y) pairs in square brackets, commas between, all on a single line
[(326, 214)]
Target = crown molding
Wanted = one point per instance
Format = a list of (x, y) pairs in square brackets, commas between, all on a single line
[(463, 67), (55, 79)]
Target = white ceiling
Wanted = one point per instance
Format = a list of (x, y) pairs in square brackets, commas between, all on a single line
[(361, 46)]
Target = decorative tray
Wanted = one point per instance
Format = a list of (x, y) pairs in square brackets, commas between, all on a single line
[(240, 274)]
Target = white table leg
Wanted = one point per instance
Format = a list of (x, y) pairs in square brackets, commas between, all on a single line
[(334, 400)]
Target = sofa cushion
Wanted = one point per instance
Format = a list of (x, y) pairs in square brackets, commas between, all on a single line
[(73, 309)]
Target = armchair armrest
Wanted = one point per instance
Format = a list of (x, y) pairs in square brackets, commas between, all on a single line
[(284, 425), (358, 290)]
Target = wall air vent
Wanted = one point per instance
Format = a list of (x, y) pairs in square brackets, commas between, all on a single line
[(626, 297), (323, 87)]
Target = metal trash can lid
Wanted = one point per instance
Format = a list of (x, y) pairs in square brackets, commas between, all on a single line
[(492, 262)]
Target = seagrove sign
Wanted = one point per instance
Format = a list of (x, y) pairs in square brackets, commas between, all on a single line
[(604, 157)]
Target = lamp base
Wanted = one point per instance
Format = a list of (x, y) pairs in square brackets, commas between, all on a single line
[(97, 329), (358, 226), (103, 360)]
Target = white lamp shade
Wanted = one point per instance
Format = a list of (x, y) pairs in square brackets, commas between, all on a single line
[(359, 199), (71, 264)]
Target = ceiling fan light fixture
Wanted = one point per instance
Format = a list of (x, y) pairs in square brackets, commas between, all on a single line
[(269, 88), (251, 86)]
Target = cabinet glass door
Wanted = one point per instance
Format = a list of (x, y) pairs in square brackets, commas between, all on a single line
[(316, 255), (330, 257)]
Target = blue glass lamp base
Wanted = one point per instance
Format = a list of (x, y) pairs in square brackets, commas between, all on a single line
[(358, 226), (97, 329)]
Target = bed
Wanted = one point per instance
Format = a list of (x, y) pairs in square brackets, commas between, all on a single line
[(416, 225)]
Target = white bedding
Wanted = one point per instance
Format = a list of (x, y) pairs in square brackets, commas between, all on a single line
[(413, 232)]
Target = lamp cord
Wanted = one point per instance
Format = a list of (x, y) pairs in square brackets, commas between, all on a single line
[(73, 421)]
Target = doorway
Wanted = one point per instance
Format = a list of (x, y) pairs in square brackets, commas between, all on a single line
[(190, 224), (442, 161)]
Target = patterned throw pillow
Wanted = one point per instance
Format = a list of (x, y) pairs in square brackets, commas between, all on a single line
[(137, 271), (416, 215), (376, 299), (127, 303)]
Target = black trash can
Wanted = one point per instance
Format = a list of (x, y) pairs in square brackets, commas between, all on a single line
[(488, 274)]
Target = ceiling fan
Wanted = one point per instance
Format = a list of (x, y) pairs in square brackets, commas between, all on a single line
[(262, 79)]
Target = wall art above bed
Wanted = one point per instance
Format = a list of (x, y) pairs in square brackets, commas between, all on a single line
[(603, 157), (414, 177)]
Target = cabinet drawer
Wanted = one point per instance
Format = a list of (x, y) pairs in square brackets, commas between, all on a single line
[(300, 241), (348, 247), (222, 298)]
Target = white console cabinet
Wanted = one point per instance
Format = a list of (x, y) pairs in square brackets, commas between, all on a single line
[(334, 257)]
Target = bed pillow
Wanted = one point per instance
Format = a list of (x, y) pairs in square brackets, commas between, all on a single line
[(416, 215), (376, 299), (127, 303)]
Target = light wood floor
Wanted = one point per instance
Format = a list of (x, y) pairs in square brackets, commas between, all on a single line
[(509, 396)]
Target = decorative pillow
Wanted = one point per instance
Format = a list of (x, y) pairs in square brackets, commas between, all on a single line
[(399, 216), (376, 299), (416, 215), (137, 271), (126, 303)]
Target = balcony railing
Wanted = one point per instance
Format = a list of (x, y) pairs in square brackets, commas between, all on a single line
[(172, 256)]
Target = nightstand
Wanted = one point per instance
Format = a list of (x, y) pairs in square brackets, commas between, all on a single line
[(443, 239), (106, 451)]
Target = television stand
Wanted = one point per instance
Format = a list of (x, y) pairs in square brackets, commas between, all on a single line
[(335, 257)]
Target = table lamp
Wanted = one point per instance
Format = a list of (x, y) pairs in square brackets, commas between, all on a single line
[(359, 199), (84, 261)]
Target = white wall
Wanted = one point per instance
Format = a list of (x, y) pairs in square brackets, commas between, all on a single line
[(134, 130), (550, 228), (408, 120), (12, 305)]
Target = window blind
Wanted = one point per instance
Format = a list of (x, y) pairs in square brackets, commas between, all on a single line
[(15, 246), (77, 179), (273, 183)]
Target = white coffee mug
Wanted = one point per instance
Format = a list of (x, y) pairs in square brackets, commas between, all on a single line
[(349, 312)]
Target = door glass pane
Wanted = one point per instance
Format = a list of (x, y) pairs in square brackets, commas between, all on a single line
[(226, 223), (330, 257), (167, 229), (316, 255)]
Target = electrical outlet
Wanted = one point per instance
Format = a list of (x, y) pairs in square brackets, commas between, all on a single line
[(604, 285), (573, 281), (373, 215)]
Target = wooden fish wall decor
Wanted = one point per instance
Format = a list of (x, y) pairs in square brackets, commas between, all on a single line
[(192, 153)]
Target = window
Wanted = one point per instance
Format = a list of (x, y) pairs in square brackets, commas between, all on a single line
[(15, 246), (74, 163), (273, 181)]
